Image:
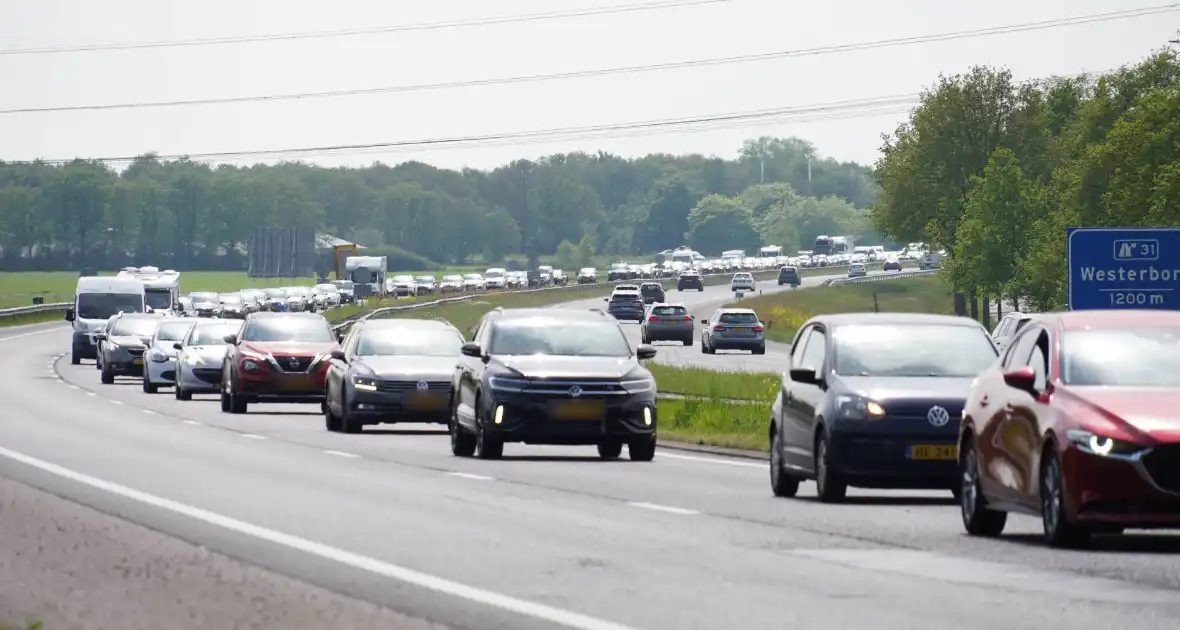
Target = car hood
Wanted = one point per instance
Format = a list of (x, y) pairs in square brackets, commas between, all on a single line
[(290, 348), (1149, 410), (130, 341), (214, 353), (408, 366), (884, 388), (546, 366), (205, 305)]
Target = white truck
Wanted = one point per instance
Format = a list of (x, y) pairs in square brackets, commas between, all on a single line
[(96, 299), (161, 288), (367, 274), (930, 260)]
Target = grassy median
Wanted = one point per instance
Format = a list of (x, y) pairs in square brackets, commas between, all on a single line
[(786, 311), (693, 381), (715, 423)]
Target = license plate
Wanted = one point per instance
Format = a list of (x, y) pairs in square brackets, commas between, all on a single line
[(138, 362), (588, 409), (675, 322), (934, 452), (415, 401), (741, 330)]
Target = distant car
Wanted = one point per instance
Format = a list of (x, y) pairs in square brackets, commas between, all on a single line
[(206, 304), (625, 305), (200, 356), (425, 285), (1008, 327), (618, 271), (160, 367), (450, 284), (560, 278), (667, 322), (742, 281), (232, 305), (476, 282), (690, 280), (874, 400), (587, 275), (403, 286), (891, 263), (652, 292), (123, 343), (789, 276), (733, 329), (857, 270)]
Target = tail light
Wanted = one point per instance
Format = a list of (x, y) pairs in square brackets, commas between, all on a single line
[(653, 318), (719, 329), (758, 328), (688, 318)]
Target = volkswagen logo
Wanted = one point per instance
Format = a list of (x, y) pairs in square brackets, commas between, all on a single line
[(423, 386), (294, 363), (938, 416), (575, 391)]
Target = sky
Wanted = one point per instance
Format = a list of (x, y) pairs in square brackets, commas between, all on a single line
[(439, 55)]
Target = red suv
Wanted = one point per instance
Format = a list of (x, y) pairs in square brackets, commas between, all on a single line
[(277, 357), (1077, 424)]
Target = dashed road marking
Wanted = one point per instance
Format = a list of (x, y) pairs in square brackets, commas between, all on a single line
[(437, 584), (471, 476), (91, 394), (713, 460), (28, 334), (192, 422), (148, 412), (251, 436), (663, 508), (72, 386), (340, 453), (59, 381), (115, 402)]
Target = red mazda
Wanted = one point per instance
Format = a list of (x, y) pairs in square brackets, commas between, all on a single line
[(1079, 423), (277, 357)]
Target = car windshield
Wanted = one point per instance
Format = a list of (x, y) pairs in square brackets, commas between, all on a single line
[(666, 311), (344, 284), (403, 279), (173, 331), (231, 299), (275, 293), (424, 279), (451, 278), (308, 329), (437, 342), (742, 276), (135, 327), (738, 318), (903, 350), (652, 288), (1125, 357), (326, 288), (203, 297), (624, 297), (158, 299), (212, 334), (559, 336), (103, 305), (495, 274), (473, 276)]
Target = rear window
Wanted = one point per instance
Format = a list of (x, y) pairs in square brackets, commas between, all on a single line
[(666, 311), (652, 288), (624, 297), (738, 318)]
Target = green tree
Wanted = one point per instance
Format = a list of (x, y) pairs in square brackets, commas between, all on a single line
[(718, 223)]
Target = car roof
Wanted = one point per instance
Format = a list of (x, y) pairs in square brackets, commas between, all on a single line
[(670, 304), (379, 324), (894, 318), (564, 313), (139, 315), (287, 315), (1107, 319), (726, 311)]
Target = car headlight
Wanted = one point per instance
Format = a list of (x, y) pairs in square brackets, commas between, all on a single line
[(506, 384), (194, 360), (159, 356), (639, 386), (1101, 445), (364, 384), (859, 408)]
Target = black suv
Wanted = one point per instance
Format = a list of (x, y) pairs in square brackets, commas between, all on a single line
[(788, 275), (690, 280), (626, 305), (652, 292), (553, 376)]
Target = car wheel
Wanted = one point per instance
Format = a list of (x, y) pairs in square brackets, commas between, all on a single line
[(829, 487), (687, 341), (1059, 531), (331, 421), (74, 358), (348, 422), (978, 519), (610, 449), (107, 377), (781, 482), (148, 387), (760, 350), (462, 442), (486, 446), (642, 449)]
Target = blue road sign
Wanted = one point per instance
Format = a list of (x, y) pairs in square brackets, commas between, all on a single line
[(1123, 268)]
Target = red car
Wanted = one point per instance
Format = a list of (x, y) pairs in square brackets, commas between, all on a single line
[(277, 357), (1077, 423)]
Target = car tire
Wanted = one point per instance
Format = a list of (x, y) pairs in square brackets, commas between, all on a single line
[(760, 350), (610, 449), (687, 341), (183, 394), (642, 449), (978, 518), (224, 402), (781, 482), (349, 423), (74, 358), (149, 387), (107, 377), (486, 446), (462, 442), (331, 420), (1059, 531), (829, 487)]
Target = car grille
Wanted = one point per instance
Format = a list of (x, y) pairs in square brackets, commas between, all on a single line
[(294, 364), (917, 409), (410, 386), (135, 352), (208, 375), (562, 388), (1163, 464)]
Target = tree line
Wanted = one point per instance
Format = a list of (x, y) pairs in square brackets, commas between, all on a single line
[(190, 215), (995, 171)]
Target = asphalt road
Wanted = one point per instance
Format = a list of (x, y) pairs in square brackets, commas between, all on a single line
[(121, 509)]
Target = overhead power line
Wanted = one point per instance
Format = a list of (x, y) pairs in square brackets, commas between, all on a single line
[(376, 30), (884, 43)]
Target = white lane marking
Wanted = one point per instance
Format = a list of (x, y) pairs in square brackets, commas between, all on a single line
[(58, 381), (116, 402), (149, 412), (471, 476), (192, 422), (417, 578), (341, 453), (72, 386), (251, 436), (91, 394), (28, 334), (712, 460), (662, 508)]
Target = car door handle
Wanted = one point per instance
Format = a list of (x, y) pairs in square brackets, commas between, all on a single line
[(983, 402)]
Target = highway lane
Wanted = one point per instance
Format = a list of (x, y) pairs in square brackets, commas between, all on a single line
[(685, 541)]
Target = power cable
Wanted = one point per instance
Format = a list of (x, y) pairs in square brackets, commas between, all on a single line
[(1101, 17), (378, 30)]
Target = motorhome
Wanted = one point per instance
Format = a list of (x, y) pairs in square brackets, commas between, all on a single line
[(96, 299), (367, 274), (772, 251), (685, 255), (833, 245), (161, 288)]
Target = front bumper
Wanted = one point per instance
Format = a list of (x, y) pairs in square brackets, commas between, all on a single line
[(400, 401), (871, 455), (203, 378), (160, 372), (1141, 491), (535, 419), (125, 361), (281, 387)]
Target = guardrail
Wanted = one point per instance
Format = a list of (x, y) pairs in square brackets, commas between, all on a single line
[(881, 277), (21, 311)]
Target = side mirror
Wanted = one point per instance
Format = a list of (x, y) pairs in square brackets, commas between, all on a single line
[(178, 346), (69, 314), (471, 350), (339, 337), (806, 376), (99, 336), (231, 339), (605, 299), (1023, 379), (338, 355), (704, 322), (645, 352)]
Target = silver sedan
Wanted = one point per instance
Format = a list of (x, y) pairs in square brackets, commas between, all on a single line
[(160, 368), (202, 351)]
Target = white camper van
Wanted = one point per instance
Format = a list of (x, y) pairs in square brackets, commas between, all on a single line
[(95, 300), (161, 288)]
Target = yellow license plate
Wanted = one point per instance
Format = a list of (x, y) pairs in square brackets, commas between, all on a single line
[(138, 361), (934, 451), (415, 401), (741, 330), (588, 409)]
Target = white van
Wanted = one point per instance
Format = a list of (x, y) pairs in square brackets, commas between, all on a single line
[(96, 299)]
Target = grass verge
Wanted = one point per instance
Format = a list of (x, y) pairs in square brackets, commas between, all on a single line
[(786, 311), (32, 318), (715, 424), (693, 381)]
